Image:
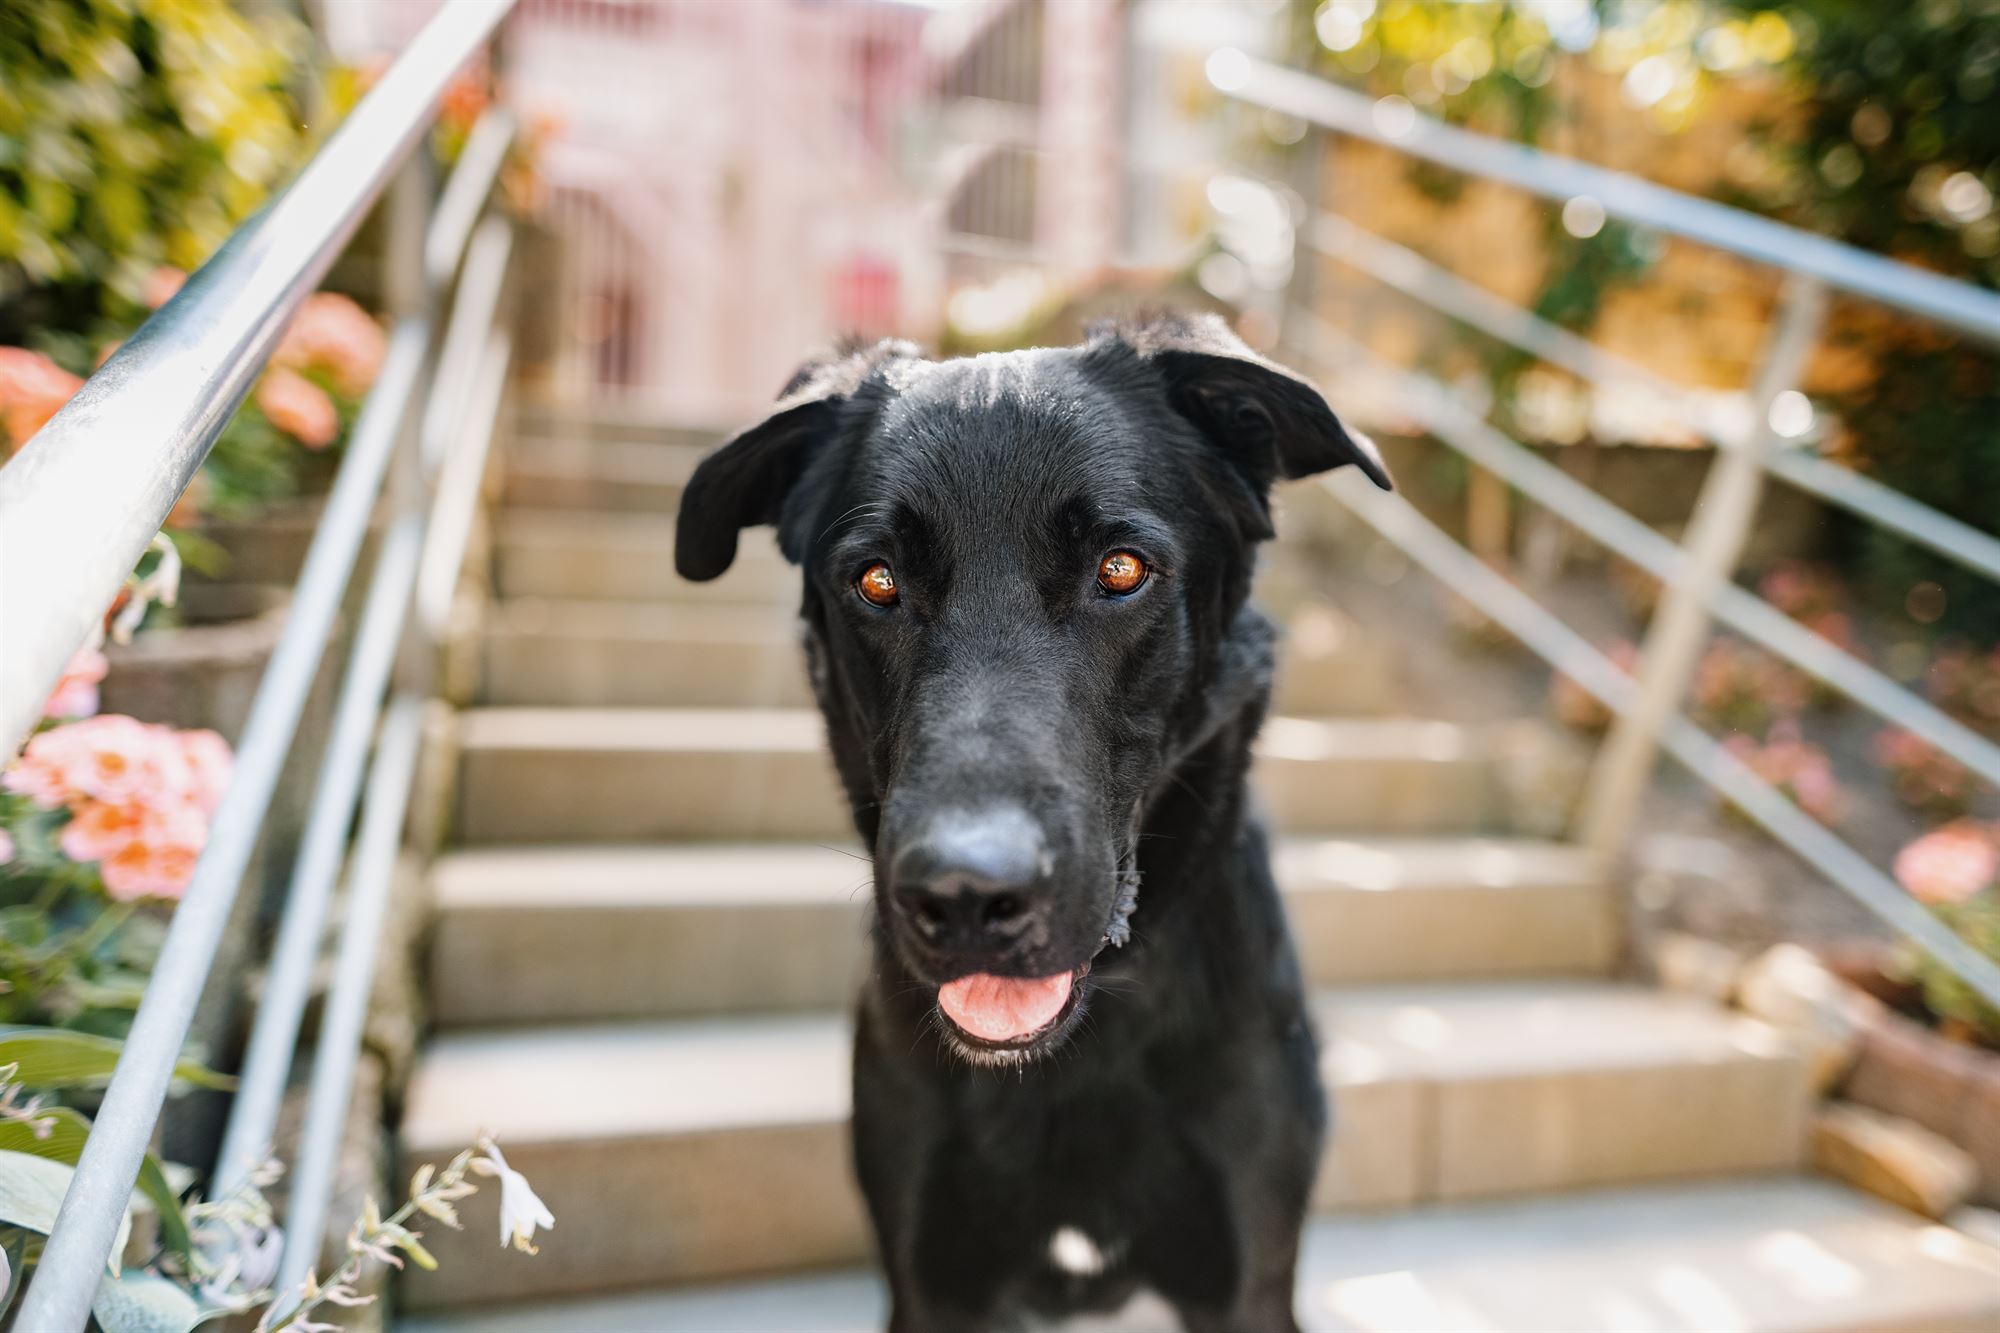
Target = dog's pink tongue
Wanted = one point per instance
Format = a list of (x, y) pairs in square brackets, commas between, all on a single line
[(1004, 1008)]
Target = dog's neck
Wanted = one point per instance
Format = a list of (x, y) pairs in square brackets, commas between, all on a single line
[(1193, 817)]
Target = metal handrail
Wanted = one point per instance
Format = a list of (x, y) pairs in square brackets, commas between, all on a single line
[(268, 1057), (130, 441), (1438, 287), (1960, 305), (1545, 633), (1618, 531), (1696, 574), (139, 429)]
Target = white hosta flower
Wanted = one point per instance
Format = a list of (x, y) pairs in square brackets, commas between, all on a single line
[(521, 1210)]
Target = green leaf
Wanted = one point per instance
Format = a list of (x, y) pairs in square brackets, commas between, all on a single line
[(53, 1058), (31, 1193), (15, 1247), (66, 1137), (140, 1302)]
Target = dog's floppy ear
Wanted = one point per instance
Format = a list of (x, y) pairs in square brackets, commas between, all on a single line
[(747, 480), (1272, 422)]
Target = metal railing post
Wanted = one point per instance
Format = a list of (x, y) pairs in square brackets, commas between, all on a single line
[(80, 504), (141, 426), (1301, 295), (406, 279), (1723, 514)]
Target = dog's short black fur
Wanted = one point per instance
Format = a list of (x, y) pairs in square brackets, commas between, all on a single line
[(1051, 779)]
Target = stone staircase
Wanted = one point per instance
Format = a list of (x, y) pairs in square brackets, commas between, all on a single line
[(646, 942)]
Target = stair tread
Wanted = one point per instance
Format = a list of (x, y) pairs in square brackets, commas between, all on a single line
[(781, 729), (609, 460), (598, 421), (1773, 1255), (668, 622), (762, 873), (684, 928), (599, 651), (594, 1080), (574, 728)]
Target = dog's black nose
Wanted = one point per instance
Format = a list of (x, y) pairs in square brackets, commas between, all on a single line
[(972, 881)]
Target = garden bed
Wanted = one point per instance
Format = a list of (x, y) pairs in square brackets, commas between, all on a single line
[(1905, 1066)]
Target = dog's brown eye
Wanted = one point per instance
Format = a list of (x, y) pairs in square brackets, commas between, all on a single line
[(877, 585), (1121, 572)]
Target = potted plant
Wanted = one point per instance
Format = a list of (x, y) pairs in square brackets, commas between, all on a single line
[(1930, 1050)]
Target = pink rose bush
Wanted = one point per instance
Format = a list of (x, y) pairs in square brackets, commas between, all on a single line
[(1800, 770), (136, 798), (1955, 871), (337, 338), (1744, 689), (327, 360), (32, 389), (75, 695), (1922, 776), (298, 407), (99, 814), (1966, 684), (1802, 590), (1952, 865)]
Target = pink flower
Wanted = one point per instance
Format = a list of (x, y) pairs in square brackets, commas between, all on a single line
[(106, 758), (146, 869), (6, 847), (209, 763), (32, 389), (98, 831), (161, 286), (298, 407), (1923, 776), (1950, 865), (1745, 689), (75, 695), (119, 760), (36, 777), (138, 796), (465, 98), (1800, 770), (1802, 590), (333, 334), (44, 770)]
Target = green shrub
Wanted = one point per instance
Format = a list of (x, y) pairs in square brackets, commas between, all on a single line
[(133, 133)]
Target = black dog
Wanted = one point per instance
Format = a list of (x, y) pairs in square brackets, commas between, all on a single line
[(1083, 1063)]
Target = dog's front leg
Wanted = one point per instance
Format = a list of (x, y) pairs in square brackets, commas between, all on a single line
[(1267, 1309), (909, 1314)]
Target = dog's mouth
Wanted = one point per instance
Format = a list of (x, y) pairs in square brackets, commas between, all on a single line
[(998, 1020)]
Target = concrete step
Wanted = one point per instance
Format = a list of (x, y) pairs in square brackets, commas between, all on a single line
[(712, 929), (597, 421), (611, 556), (678, 1151), (1784, 1255), (580, 473), (638, 774), (639, 654), (543, 651)]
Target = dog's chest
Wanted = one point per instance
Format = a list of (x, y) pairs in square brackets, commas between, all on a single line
[(1082, 1174)]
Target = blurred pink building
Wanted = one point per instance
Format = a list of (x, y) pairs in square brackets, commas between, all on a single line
[(734, 181)]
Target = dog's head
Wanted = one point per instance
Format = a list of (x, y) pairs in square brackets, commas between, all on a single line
[(1025, 578)]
